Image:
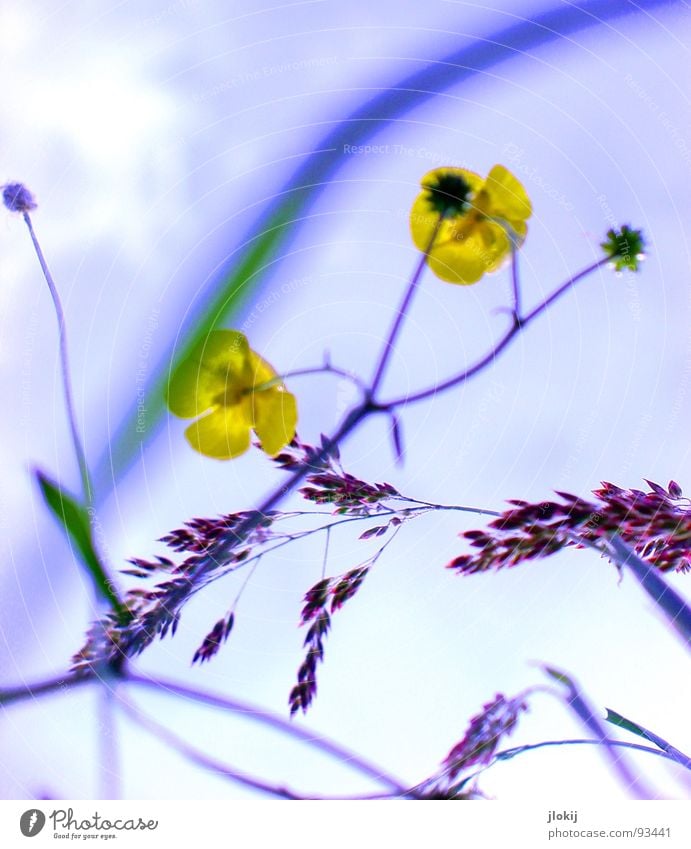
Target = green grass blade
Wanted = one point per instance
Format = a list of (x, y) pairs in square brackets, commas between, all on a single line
[(634, 728), (128, 440), (74, 520), (580, 706), (282, 219)]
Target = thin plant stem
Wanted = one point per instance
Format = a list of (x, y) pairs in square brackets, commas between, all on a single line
[(244, 584), (87, 488), (515, 282), (278, 723), (543, 305), (349, 423), (326, 551), (243, 709), (672, 605), (191, 753), (302, 372), (575, 701), (104, 586), (369, 406), (517, 326), (508, 754), (50, 686), (224, 770), (108, 746), (362, 411), (389, 344), (456, 508), (288, 538), (634, 728), (229, 540)]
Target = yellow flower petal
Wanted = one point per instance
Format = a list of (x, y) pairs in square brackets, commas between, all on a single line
[(215, 365), (223, 433), (456, 266), (508, 198), (275, 418), (470, 252), (233, 386), (258, 371), (495, 242)]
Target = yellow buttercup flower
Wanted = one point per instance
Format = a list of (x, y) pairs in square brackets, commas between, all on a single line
[(480, 218), (234, 391)]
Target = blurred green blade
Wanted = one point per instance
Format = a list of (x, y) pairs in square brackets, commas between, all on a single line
[(74, 520), (284, 216), (576, 701), (634, 728), (228, 298), (622, 722)]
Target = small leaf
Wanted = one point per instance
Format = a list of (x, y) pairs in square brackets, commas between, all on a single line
[(562, 677), (674, 489), (230, 621), (373, 532), (634, 728), (580, 706), (399, 450), (74, 520), (213, 641), (621, 722), (656, 488)]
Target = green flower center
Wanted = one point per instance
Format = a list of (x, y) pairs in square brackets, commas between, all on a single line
[(449, 195)]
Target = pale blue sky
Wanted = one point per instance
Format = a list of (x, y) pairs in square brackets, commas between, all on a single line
[(149, 136)]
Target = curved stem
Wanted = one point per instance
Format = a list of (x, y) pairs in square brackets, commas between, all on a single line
[(515, 283), (211, 560), (350, 422), (291, 204), (456, 508), (104, 586), (390, 342), (409, 512), (87, 489), (574, 700), (61, 684), (277, 722), (191, 753), (232, 538), (507, 754), (548, 301), (108, 746), (672, 605), (247, 711), (520, 322), (224, 770), (325, 369)]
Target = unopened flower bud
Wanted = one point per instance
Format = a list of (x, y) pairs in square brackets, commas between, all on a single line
[(17, 198)]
